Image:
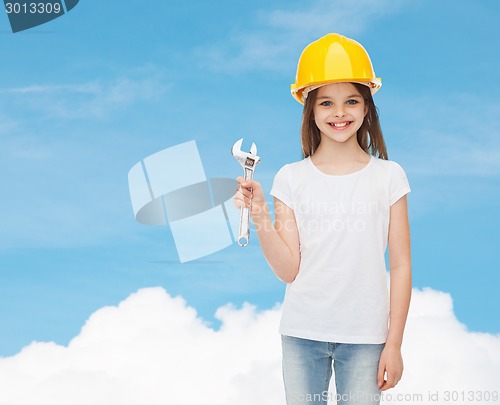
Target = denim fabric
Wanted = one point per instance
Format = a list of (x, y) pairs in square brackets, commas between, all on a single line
[(307, 369)]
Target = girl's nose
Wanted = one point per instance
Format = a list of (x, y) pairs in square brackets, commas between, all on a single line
[(339, 113)]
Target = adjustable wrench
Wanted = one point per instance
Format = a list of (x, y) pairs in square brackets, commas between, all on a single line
[(248, 161)]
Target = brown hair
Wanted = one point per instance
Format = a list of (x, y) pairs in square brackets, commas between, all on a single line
[(369, 135)]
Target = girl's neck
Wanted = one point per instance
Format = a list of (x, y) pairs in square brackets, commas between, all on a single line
[(340, 158), (340, 154)]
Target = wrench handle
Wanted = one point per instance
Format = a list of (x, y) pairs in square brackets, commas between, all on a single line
[(244, 231)]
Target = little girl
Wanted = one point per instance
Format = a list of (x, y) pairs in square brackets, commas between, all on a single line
[(335, 213)]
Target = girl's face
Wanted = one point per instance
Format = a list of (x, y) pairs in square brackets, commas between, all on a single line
[(339, 112)]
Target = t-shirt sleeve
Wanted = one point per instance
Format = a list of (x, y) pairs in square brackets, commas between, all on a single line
[(281, 186), (398, 186)]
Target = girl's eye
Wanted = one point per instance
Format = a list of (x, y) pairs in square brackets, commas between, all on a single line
[(326, 103), (352, 102)]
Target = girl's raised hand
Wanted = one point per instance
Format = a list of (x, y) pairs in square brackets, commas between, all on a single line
[(249, 190)]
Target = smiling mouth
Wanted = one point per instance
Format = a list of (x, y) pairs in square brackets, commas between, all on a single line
[(339, 124)]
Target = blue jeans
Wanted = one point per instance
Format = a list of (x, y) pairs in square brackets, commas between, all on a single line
[(307, 369)]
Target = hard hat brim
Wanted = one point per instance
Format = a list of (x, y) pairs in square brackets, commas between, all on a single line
[(297, 91)]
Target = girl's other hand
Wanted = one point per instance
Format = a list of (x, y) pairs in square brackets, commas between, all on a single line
[(391, 366)]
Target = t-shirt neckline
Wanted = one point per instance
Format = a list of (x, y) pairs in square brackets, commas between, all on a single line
[(341, 175)]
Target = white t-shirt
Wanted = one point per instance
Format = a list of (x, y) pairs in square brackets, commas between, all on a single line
[(340, 293)]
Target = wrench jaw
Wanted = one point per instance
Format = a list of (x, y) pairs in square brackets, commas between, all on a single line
[(236, 150), (253, 149), (245, 159), (248, 161)]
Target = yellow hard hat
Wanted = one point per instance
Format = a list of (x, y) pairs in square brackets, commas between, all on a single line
[(332, 59)]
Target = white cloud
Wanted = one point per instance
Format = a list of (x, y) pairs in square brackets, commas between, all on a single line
[(321, 16), (154, 349), (91, 99), (442, 355), (284, 32)]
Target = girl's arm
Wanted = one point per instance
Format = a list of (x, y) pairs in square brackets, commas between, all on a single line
[(279, 242), (400, 292)]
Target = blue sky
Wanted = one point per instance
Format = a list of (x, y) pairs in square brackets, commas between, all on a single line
[(85, 97)]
